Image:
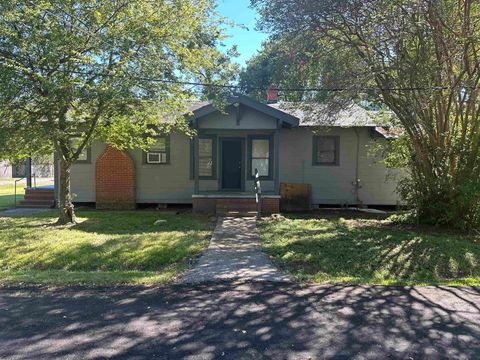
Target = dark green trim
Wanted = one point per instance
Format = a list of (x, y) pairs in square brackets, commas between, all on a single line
[(242, 141), (214, 157), (270, 157), (315, 141), (89, 157), (167, 148)]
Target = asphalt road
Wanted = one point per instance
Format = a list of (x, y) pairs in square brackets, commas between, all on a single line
[(254, 321)]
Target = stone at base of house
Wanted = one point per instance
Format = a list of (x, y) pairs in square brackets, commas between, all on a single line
[(224, 205)]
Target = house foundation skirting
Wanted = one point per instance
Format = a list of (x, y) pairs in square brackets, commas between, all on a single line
[(224, 204)]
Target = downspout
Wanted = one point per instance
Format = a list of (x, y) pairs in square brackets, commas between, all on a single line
[(356, 183), (277, 157)]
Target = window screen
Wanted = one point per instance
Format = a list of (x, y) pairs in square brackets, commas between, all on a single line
[(260, 157), (205, 157), (325, 151)]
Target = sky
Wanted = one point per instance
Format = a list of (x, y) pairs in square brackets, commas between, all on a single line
[(248, 40)]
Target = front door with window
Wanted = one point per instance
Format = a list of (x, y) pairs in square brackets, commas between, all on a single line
[(232, 164)]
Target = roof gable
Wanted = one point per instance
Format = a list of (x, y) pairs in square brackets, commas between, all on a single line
[(202, 109)]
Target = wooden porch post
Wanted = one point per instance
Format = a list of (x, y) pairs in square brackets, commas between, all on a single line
[(196, 188), (277, 157)]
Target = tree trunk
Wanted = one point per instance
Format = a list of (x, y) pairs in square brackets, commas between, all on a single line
[(65, 205)]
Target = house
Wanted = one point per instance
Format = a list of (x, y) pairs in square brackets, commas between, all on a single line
[(215, 170), (41, 169), (6, 170)]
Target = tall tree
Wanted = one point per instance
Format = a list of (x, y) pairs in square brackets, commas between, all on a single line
[(72, 71), (424, 58), (278, 63), (296, 63)]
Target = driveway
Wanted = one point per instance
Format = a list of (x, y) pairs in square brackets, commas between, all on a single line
[(241, 321)]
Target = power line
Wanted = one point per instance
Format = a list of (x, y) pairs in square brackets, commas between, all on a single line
[(280, 89), (250, 88)]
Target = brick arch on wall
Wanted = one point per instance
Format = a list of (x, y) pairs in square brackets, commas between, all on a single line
[(115, 180)]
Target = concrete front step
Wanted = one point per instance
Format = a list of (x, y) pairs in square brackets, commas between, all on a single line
[(237, 214), (223, 204), (33, 206), (230, 207), (39, 197), (39, 190)]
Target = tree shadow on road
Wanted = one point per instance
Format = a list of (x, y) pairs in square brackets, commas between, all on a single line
[(257, 320)]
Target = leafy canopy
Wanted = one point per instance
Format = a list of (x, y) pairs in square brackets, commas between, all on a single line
[(423, 58), (100, 69)]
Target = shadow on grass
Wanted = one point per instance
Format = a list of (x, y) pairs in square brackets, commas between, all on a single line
[(102, 241), (135, 222), (116, 222), (331, 250), (254, 321)]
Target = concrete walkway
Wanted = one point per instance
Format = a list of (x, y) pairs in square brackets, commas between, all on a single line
[(234, 254)]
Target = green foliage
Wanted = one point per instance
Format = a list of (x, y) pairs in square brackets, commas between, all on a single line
[(279, 64), (292, 61), (440, 204), (73, 68), (358, 250), (394, 153), (109, 70), (422, 58), (104, 247)]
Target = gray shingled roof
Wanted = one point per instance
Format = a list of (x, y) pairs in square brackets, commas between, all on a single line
[(195, 105), (311, 114), (314, 114)]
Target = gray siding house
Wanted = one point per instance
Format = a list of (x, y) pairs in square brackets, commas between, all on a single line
[(215, 170)]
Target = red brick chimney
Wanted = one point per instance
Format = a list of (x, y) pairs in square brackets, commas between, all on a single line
[(272, 94)]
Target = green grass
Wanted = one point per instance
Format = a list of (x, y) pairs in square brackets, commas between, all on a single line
[(367, 251), (7, 191), (103, 248)]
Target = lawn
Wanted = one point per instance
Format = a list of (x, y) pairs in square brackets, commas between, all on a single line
[(7, 191), (103, 248), (328, 249)]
